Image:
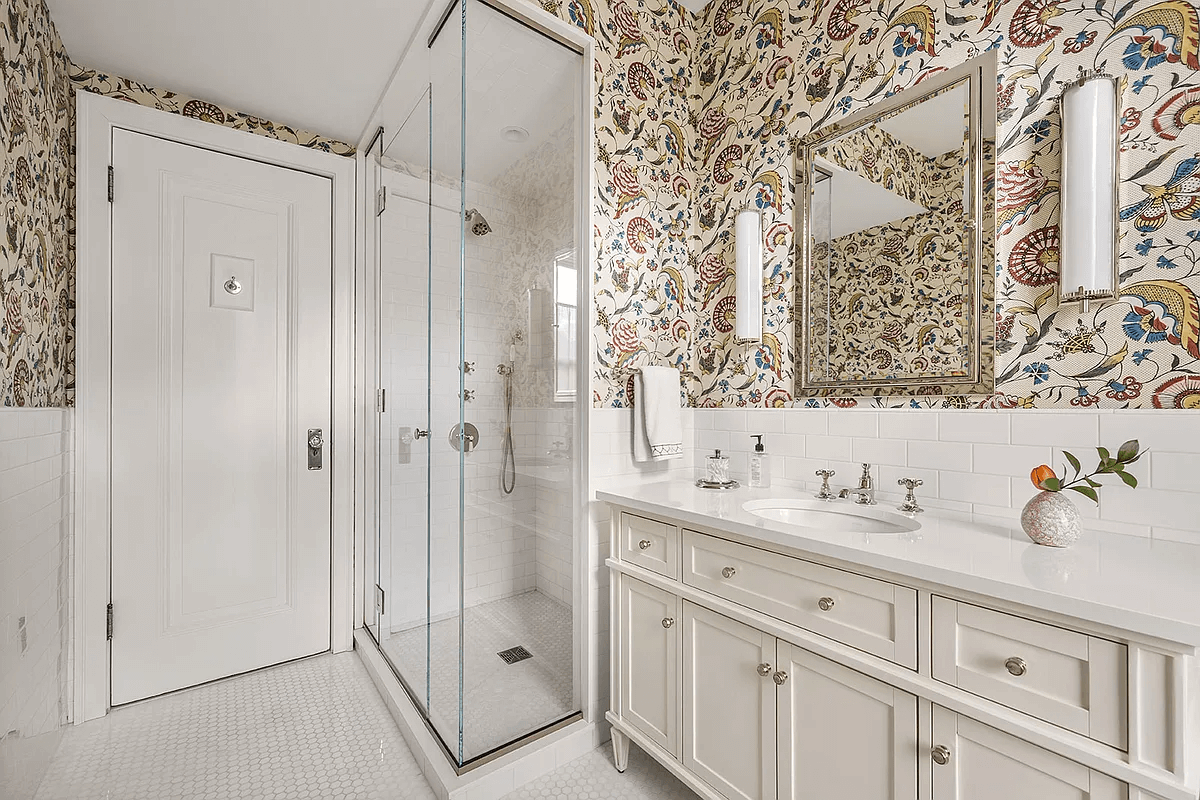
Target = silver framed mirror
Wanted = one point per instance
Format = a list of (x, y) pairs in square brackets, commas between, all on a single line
[(896, 241)]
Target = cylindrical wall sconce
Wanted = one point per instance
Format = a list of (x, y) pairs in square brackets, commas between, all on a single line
[(1090, 174), (748, 310)]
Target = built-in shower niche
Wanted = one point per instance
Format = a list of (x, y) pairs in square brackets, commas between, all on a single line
[(478, 292)]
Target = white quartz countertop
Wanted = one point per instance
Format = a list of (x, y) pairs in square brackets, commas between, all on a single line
[(1128, 582)]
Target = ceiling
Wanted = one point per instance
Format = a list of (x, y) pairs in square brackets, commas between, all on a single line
[(309, 64), (857, 204), (934, 126)]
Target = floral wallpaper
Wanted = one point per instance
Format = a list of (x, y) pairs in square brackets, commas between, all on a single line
[(91, 80), (36, 253), (644, 272), (881, 158), (770, 71)]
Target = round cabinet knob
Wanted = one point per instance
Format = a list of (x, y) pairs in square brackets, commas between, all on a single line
[(780, 678), (764, 669), (644, 544), (1015, 666), (728, 572), (825, 603), (941, 755), (668, 622), (315, 441)]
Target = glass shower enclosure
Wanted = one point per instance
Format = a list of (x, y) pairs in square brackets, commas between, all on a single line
[(476, 239)]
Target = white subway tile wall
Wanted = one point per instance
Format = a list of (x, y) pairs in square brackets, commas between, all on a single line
[(35, 590), (979, 461), (611, 461)]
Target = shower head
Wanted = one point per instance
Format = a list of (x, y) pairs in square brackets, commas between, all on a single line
[(479, 225)]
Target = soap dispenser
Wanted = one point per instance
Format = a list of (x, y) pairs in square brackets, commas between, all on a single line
[(760, 465)]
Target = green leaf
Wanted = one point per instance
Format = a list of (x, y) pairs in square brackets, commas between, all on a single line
[(1128, 450), (1104, 454), (1092, 483), (1130, 480), (1087, 492), (1074, 461), (1052, 484)]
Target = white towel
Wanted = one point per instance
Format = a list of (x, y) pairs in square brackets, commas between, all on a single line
[(657, 427)]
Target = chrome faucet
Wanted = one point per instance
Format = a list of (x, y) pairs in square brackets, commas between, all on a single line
[(864, 494)]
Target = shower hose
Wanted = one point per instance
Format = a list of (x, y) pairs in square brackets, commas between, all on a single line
[(508, 467)]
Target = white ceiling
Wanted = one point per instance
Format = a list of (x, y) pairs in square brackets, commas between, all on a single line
[(310, 64), (856, 203), (935, 126)]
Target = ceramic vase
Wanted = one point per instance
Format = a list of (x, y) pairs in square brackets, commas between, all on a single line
[(1050, 518)]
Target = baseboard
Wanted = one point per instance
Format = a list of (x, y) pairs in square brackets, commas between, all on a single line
[(488, 781)]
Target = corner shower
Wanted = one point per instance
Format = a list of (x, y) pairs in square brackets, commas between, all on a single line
[(476, 243)]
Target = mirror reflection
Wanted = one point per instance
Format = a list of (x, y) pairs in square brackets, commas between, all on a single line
[(892, 285)]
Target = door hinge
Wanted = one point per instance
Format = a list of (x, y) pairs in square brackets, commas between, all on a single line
[(109, 622), (111, 178), (381, 401), (381, 201), (379, 597)]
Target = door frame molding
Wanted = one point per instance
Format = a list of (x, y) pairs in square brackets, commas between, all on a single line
[(97, 116)]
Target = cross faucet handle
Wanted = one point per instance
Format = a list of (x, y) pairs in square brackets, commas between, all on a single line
[(826, 493), (910, 499)]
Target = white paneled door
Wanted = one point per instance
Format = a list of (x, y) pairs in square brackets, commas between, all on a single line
[(221, 364)]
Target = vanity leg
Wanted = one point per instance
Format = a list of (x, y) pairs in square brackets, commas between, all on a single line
[(620, 744)]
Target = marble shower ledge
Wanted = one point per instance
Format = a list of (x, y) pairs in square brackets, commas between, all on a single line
[(1127, 582)]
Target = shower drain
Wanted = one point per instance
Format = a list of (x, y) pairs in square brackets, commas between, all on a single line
[(514, 654)]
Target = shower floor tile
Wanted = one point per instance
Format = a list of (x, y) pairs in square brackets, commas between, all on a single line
[(315, 728), (501, 702)]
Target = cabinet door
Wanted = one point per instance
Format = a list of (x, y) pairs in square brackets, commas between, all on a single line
[(649, 662), (981, 763), (842, 734), (728, 704)]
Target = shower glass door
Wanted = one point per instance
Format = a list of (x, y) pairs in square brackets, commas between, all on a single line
[(479, 454)]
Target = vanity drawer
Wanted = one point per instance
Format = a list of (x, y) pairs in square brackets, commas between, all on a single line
[(650, 544), (872, 615), (1064, 677)]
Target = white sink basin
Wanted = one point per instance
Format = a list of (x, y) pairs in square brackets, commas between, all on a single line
[(843, 515)]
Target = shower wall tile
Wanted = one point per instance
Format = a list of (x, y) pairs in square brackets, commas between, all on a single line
[(35, 584)]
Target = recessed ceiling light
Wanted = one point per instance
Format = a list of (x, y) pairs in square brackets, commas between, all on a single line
[(514, 134)]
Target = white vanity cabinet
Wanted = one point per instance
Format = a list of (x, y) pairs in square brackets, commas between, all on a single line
[(728, 704), (842, 734), (975, 762), (648, 662), (758, 671)]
